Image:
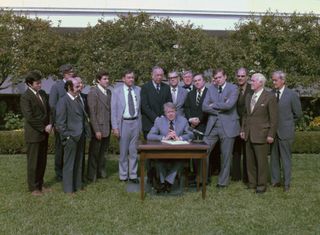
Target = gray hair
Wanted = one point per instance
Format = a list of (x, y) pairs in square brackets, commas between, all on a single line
[(155, 68), (187, 72), (260, 77), (242, 69), (282, 75), (169, 105)]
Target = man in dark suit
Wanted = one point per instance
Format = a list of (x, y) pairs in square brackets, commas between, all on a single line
[(169, 127), (71, 124), (126, 125), (154, 94), (99, 102), (35, 109), (289, 112), (259, 127), (239, 147), (223, 124), (178, 94), (56, 93), (187, 77)]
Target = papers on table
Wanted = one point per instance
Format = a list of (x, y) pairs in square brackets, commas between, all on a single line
[(175, 142)]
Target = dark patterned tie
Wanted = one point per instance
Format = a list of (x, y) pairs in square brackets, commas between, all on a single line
[(219, 89), (278, 95), (171, 126), (174, 95), (158, 88), (130, 102), (198, 98)]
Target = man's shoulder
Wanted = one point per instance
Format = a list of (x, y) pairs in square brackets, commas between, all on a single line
[(181, 119)]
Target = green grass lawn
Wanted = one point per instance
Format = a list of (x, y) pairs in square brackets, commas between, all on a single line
[(106, 208)]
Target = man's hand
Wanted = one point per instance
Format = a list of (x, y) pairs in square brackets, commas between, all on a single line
[(116, 132), (242, 135), (48, 128), (270, 140), (98, 135), (171, 135)]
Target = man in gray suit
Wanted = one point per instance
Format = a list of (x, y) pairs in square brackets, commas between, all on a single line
[(56, 93), (126, 125), (178, 94), (290, 111), (223, 124), (169, 127), (99, 100), (71, 121)]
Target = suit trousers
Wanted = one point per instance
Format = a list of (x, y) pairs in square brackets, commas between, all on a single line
[(128, 159), (281, 151), (239, 151), (36, 164), (168, 170), (97, 158), (226, 147), (72, 165), (257, 165), (58, 157)]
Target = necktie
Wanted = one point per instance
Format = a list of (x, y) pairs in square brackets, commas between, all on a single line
[(158, 88), (174, 96), (253, 102), (171, 126), (198, 98), (219, 89), (278, 95), (130, 102), (39, 98), (241, 91)]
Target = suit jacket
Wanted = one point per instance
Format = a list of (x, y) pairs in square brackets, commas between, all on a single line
[(181, 97), (262, 121), (241, 103), (161, 128), (192, 110), (223, 107), (36, 115), (57, 92), (70, 119), (99, 111), (118, 105), (289, 112), (152, 103)]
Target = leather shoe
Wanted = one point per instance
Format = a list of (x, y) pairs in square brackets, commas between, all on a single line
[(135, 181), (168, 187), (160, 188), (276, 185), (286, 188), (220, 186), (260, 191), (124, 181)]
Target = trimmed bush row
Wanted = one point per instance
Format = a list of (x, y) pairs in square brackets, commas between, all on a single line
[(12, 142)]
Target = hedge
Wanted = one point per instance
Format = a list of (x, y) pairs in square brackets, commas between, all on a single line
[(12, 142)]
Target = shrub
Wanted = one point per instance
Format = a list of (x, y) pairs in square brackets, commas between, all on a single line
[(13, 121), (307, 142)]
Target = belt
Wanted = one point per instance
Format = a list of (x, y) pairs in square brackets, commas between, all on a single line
[(132, 118)]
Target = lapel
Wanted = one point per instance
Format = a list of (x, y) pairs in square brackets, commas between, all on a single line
[(122, 97), (37, 101), (260, 101), (74, 105), (102, 97), (284, 95)]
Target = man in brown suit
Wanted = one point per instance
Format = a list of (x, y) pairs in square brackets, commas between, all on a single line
[(35, 109), (259, 125), (99, 101)]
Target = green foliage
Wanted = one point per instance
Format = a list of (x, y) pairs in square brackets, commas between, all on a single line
[(13, 121), (307, 142), (106, 207)]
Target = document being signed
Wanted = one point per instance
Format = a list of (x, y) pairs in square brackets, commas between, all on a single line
[(175, 142)]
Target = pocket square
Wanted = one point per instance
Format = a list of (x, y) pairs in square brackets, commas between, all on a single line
[(262, 105)]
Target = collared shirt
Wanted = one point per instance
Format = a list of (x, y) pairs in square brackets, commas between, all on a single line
[(126, 113), (280, 92), (257, 94), (35, 93), (174, 93), (102, 89), (155, 85), (71, 96), (223, 86)]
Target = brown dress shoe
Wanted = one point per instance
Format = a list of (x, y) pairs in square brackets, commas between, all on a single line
[(276, 185), (36, 193)]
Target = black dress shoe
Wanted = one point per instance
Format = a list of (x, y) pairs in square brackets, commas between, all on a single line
[(276, 185), (260, 191), (160, 188), (168, 187), (135, 181), (220, 186), (124, 181)]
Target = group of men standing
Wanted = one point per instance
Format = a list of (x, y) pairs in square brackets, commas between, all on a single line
[(245, 119)]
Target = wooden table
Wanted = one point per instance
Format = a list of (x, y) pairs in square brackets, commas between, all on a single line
[(158, 150)]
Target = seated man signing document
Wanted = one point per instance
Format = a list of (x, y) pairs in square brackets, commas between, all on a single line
[(169, 127)]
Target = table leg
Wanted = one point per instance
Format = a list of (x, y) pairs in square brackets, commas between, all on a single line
[(198, 174), (142, 175), (204, 173)]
